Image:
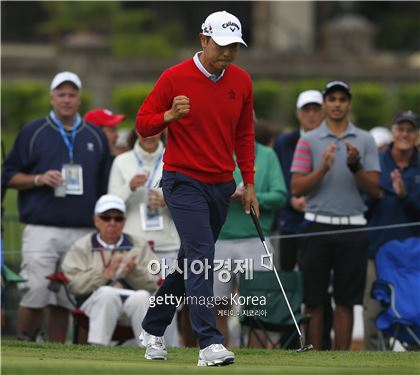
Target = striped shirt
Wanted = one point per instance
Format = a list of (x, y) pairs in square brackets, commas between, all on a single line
[(302, 159)]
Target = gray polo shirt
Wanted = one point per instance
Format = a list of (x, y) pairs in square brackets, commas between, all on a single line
[(337, 193)]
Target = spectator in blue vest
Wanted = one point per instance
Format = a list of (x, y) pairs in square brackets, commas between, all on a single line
[(310, 115), (59, 165), (399, 203), (290, 219)]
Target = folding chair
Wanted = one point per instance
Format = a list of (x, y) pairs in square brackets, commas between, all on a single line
[(398, 290), (80, 320), (8, 276), (274, 316)]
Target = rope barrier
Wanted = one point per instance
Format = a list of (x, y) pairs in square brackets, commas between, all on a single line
[(344, 231), (297, 235)]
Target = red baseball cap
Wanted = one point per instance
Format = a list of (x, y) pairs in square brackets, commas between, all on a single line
[(103, 117)]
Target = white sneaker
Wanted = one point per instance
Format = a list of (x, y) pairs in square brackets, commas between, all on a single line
[(155, 346), (215, 355)]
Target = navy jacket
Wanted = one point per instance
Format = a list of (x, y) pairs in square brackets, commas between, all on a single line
[(289, 219), (39, 147), (392, 210)]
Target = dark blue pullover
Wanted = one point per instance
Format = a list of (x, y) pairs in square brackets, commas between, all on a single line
[(289, 219), (390, 209), (38, 148)]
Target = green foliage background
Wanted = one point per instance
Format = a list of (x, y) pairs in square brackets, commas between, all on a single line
[(374, 103), (127, 99), (131, 32)]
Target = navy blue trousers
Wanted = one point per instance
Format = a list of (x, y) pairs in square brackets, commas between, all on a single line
[(199, 211)]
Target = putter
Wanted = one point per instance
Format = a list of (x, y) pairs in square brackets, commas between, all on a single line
[(303, 348)]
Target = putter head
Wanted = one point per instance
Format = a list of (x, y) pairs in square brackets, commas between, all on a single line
[(305, 348)]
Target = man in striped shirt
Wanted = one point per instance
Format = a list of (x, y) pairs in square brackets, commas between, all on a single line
[(333, 165)]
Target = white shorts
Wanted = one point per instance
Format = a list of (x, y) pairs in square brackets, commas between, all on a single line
[(43, 248), (240, 256)]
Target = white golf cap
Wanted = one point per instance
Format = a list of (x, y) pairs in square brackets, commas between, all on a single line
[(224, 28), (309, 96), (109, 202), (65, 77), (381, 135)]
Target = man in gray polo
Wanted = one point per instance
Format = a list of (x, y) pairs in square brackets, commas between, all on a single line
[(333, 165)]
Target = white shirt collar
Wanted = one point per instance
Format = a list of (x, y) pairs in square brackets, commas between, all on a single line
[(203, 70), (107, 246)]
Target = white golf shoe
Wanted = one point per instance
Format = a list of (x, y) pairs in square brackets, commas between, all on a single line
[(215, 355), (155, 346)]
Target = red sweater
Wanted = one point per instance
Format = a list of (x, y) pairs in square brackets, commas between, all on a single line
[(219, 124)]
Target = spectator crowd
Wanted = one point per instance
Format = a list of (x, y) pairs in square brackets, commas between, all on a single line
[(94, 209)]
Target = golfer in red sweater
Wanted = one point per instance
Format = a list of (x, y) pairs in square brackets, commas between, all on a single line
[(206, 103)]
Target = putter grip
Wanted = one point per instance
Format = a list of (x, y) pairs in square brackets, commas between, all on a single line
[(257, 224)]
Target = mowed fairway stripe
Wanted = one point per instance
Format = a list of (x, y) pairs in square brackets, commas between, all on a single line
[(49, 359)]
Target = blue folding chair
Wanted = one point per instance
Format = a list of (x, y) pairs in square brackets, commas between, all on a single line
[(398, 290)]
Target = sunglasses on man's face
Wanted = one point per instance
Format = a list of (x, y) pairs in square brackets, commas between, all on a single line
[(116, 218)]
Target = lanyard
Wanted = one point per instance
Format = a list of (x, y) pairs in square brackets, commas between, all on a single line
[(106, 264), (69, 143), (152, 175), (113, 248)]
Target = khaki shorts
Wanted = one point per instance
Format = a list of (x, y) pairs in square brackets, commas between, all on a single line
[(43, 248)]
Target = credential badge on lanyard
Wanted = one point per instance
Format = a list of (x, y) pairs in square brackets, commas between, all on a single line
[(71, 172)]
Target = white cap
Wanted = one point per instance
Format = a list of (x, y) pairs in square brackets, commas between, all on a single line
[(309, 96), (65, 77), (224, 28), (122, 140), (109, 202), (381, 135)]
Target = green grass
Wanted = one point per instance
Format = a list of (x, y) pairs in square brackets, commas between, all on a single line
[(45, 359)]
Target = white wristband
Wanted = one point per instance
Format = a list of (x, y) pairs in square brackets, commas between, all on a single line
[(36, 180)]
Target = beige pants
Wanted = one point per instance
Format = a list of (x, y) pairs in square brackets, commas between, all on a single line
[(371, 309), (106, 307)]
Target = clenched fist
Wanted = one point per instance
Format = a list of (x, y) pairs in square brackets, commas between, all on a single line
[(180, 107)]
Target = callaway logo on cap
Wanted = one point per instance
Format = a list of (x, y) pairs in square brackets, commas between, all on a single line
[(224, 28)]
